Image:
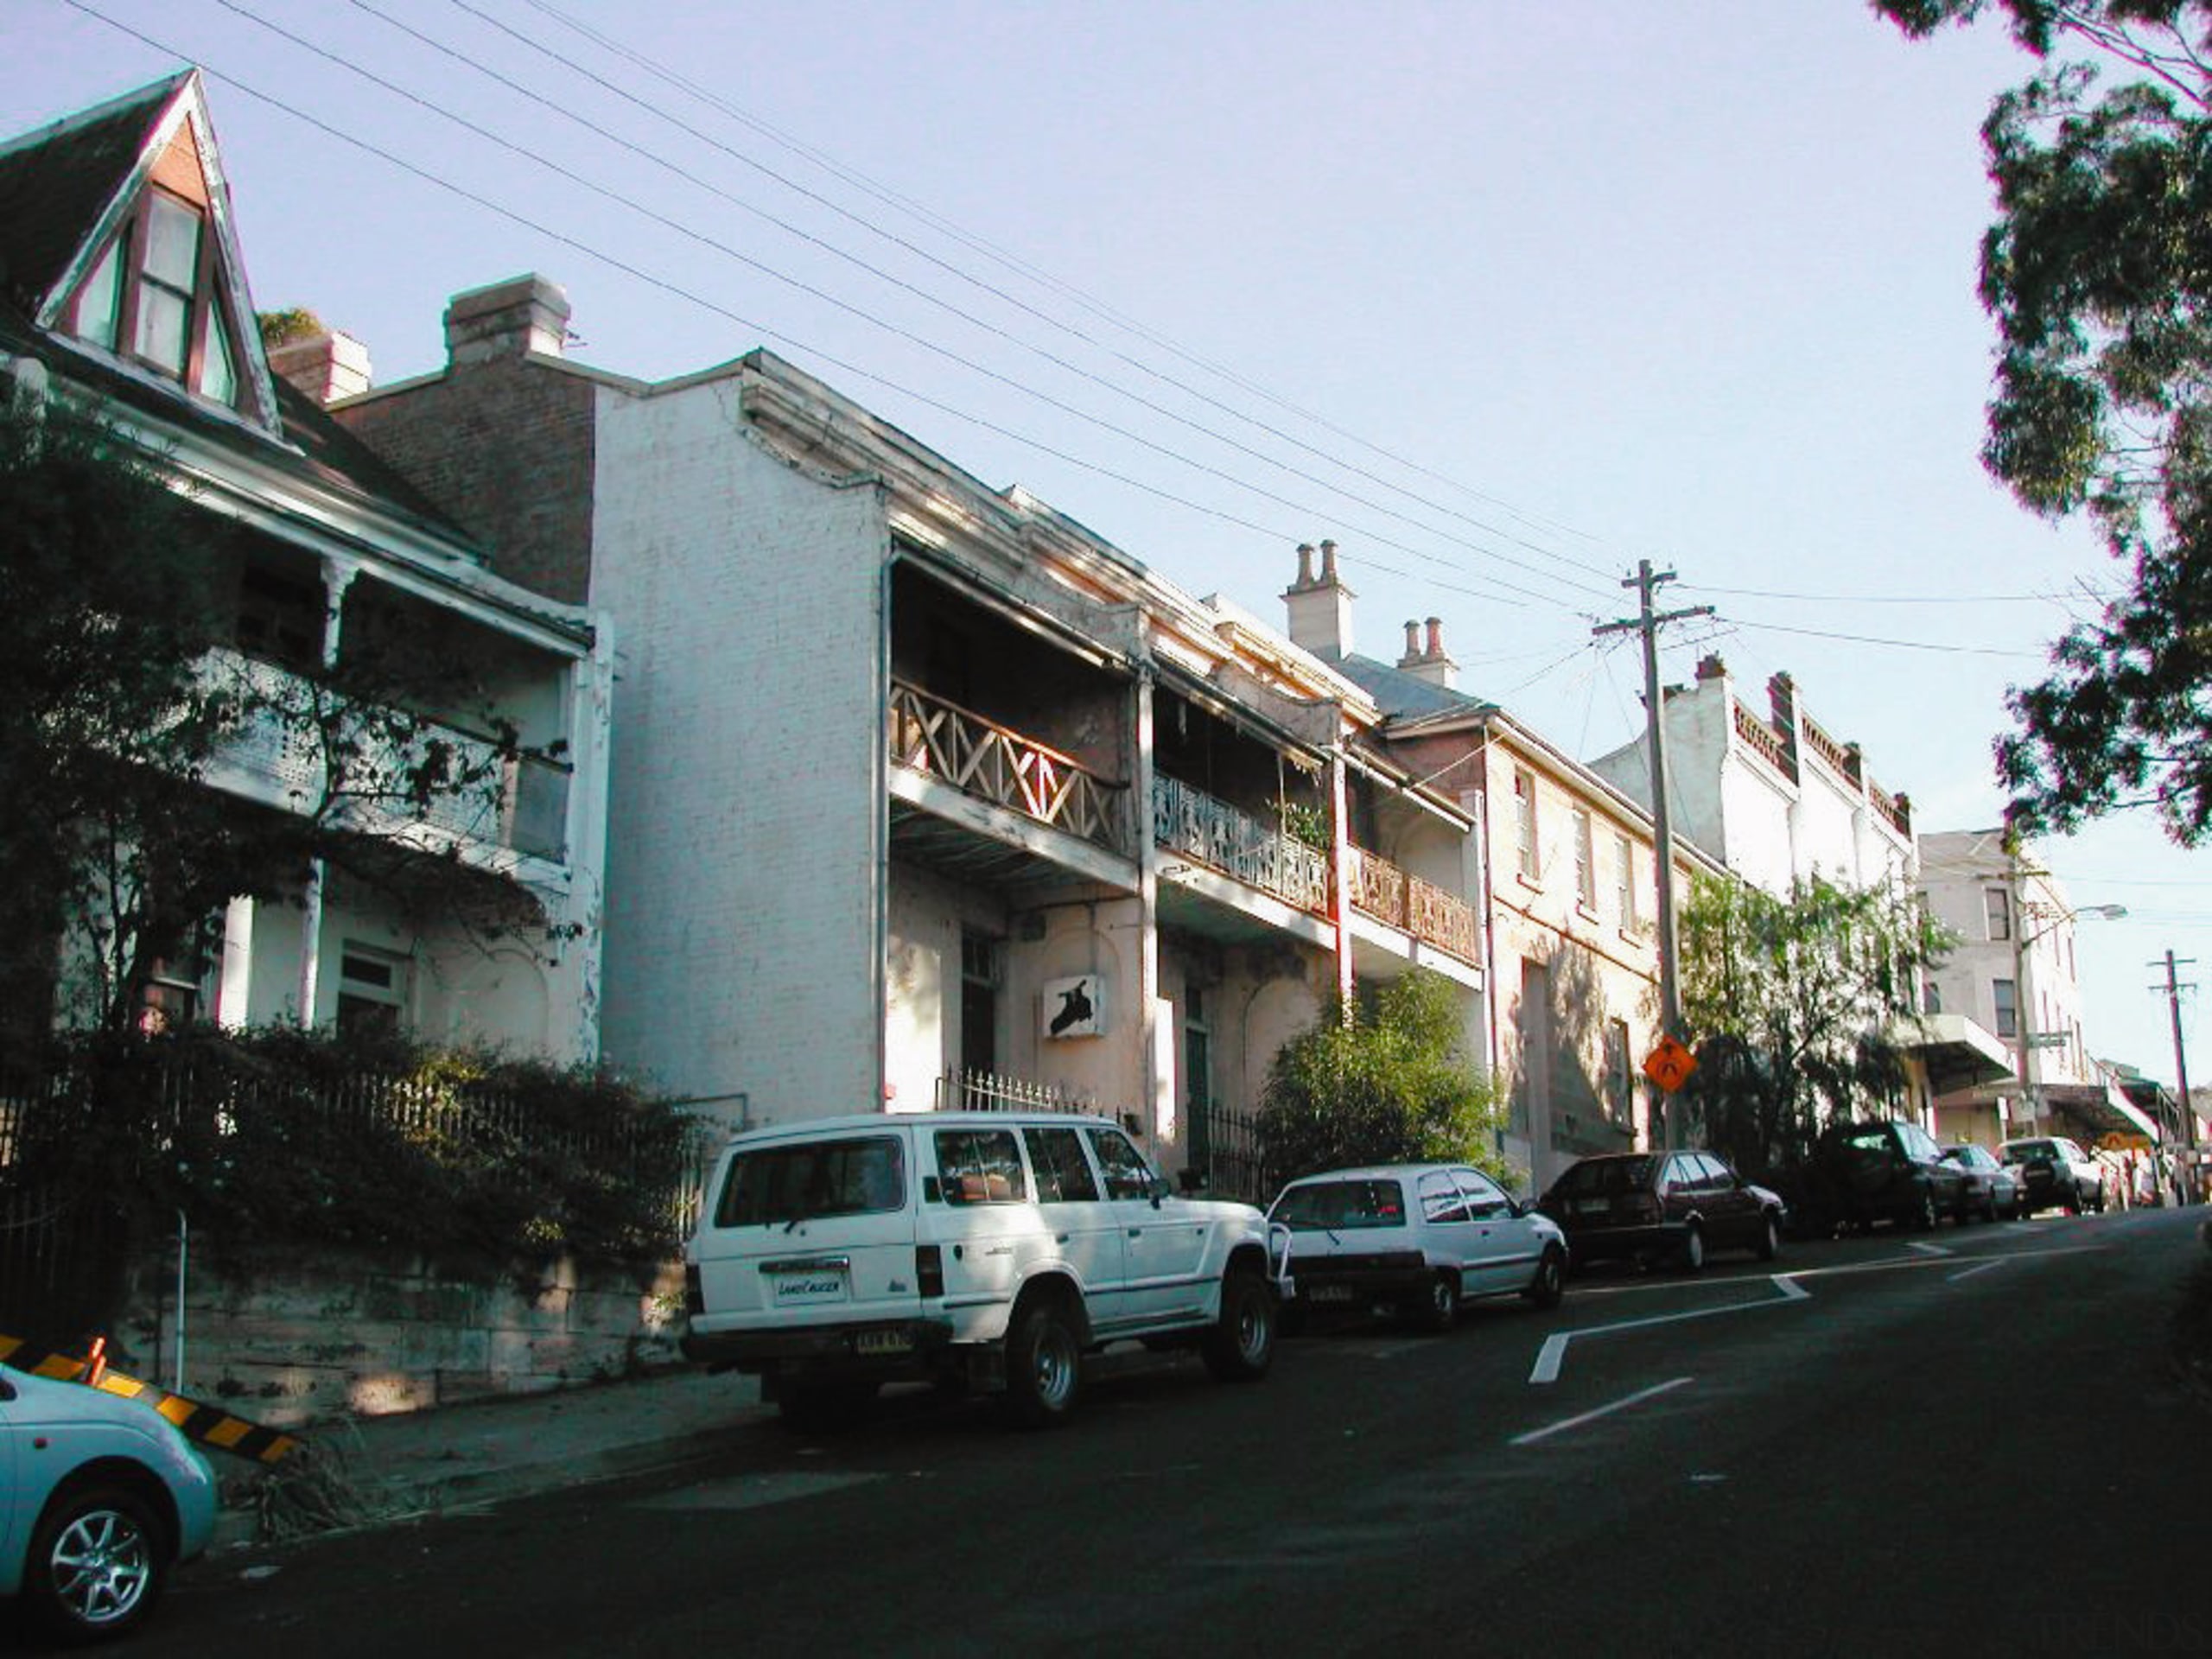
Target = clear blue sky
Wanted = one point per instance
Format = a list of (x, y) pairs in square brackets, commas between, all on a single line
[(1552, 288)]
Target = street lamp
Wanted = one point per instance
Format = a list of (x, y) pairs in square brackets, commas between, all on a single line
[(2031, 1089)]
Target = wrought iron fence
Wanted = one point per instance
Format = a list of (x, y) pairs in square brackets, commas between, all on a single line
[(989, 1091), (1187, 820), (1225, 1148)]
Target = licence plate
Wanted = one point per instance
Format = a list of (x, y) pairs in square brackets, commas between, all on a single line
[(1592, 1207), (882, 1342), (819, 1285), (1330, 1292)]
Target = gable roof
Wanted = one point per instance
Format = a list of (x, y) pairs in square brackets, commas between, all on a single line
[(66, 188)]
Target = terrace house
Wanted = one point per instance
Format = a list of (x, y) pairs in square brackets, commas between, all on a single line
[(123, 297), (925, 794)]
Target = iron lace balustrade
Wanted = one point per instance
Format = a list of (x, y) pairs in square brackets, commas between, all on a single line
[(981, 758), (1413, 906), (1190, 822)]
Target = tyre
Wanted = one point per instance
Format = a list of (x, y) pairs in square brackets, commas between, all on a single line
[(1242, 1345), (1549, 1285), (99, 1560), (1921, 1217), (825, 1407), (1769, 1245), (1441, 1311), (1044, 1365), (1691, 1257)]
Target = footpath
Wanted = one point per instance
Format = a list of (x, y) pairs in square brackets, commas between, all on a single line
[(375, 1470)]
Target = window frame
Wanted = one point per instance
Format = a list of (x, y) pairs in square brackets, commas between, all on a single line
[(121, 266)]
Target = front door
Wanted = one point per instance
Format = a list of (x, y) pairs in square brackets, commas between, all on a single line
[(1163, 1245), (1084, 1226)]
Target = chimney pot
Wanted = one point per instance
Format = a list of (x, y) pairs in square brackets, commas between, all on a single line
[(1412, 644), (326, 366), (1435, 636), (1710, 667), (1328, 561), (1306, 564)]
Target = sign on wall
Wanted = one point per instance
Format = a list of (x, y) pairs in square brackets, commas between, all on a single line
[(1075, 1008)]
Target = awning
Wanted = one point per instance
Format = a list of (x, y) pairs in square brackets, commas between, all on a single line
[(1956, 1052)]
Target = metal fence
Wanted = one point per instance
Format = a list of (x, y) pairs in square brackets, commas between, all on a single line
[(1225, 1148)]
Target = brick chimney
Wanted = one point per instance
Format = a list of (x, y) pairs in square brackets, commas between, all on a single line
[(1428, 662), (515, 318), (1320, 607), (327, 366)]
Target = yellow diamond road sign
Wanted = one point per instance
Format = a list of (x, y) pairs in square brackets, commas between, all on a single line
[(1669, 1064)]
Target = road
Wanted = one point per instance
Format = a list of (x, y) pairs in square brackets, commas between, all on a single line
[(1961, 1442)]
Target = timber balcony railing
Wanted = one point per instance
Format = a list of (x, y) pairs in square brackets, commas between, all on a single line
[(981, 758), (1412, 905), (1190, 822), (522, 804)]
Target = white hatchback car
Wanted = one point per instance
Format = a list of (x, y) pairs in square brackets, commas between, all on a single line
[(1420, 1238), (100, 1497)]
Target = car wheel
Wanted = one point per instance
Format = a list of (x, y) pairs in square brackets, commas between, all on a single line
[(825, 1407), (1549, 1285), (1242, 1345), (1770, 1237), (1441, 1311), (1692, 1251), (1044, 1365), (97, 1561)]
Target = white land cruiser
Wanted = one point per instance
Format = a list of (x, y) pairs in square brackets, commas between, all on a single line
[(987, 1249)]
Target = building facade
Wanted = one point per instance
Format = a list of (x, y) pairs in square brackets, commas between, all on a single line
[(124, 299), (927, 795)]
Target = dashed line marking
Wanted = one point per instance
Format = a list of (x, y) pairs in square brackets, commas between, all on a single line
[(1926, 1250), (1968, 1273), (1566, 1423), (1553, 1354)]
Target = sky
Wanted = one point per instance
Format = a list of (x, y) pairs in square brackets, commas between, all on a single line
[(1501, 295)]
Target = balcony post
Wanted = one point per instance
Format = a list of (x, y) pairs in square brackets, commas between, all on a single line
[(1158, 1082), (1340, 867), (337, 576)]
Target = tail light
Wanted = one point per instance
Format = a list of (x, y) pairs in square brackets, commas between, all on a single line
[(929, 1269)]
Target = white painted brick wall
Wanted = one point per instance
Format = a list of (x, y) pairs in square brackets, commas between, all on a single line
[(742, 937)]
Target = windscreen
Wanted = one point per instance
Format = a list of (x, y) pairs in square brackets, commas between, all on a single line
[(1338, 1206), (1608, 1176)]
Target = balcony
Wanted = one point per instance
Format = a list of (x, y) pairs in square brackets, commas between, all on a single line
[(1190, 822), (983, 759), (1412, 905), (276, 756)]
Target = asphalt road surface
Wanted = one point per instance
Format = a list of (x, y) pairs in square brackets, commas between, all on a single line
[(1963, 1442)]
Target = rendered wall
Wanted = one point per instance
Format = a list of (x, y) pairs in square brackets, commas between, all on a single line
[(742, 950)]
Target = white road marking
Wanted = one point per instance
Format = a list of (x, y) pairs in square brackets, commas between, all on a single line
[(1566, 1423), (1926, 1250), (1553, 1354), (1968, 1273)]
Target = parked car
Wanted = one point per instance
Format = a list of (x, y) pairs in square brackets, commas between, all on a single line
[(1888, 1170), (2053, 1170), (99, 1499), (1660, 1206), (1418, 1238), (989, 1250), (1993, 1190)]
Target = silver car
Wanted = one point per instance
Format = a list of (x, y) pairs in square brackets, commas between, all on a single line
[(100, 1497), (1418, 1238)]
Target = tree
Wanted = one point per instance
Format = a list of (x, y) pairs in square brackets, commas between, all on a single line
[(117, 701), (2097, 273), (1797, 998), (1384, 1083)]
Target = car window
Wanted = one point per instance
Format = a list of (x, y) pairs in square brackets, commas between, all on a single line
[(1918, 1141), (847, 1177), (1593, 1176), (1486, 1198), (1441, 1200), (2021, 1151), (1871, 1137), (981, 1166), (1127, 1174), (1333, 1206), (1713, 1174), (1062, 1172)]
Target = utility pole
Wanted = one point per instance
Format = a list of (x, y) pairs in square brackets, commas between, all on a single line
[(2173, 988), (1647, 583)]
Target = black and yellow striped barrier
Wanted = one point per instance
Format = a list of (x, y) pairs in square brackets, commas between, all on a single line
[(207, 1425)]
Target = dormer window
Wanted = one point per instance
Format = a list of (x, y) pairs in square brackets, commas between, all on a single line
[(153, 298)]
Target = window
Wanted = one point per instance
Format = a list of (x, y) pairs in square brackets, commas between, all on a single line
[(1339, 1206), (1931, 995), (1624, 883), (2008, 1007), (979, 1002), (154, 296), (1063, 1172), (1127, 1174), (1441, 1199), (282, 616), (1620, 1084), (371, 990), (1997, 911), (1485, 1199), (1524, 825), (816, 1178), (980, 1167), (1585, 862)]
